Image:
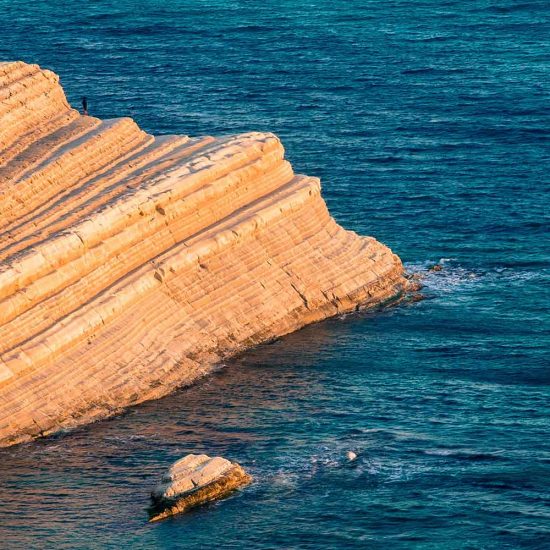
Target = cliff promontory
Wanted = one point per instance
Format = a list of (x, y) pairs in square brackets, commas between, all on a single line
[(129, 264)]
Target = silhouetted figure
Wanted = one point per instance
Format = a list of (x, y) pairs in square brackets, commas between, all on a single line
[(84, 105)]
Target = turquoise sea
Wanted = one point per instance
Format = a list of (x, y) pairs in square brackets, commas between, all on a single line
[(429, 124)]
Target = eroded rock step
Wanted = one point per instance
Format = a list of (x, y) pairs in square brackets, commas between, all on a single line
[(27, 103), (73, 205), (121, 246), (44, 313), (68, 167)]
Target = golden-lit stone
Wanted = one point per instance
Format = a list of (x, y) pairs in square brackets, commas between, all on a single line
[(195, 480), (130, 264)]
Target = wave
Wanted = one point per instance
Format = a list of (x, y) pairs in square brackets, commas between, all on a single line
[(454, 276), (466, 454)]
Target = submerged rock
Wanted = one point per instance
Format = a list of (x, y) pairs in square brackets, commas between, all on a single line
[(195, 480), (417, 276), (415, 286)]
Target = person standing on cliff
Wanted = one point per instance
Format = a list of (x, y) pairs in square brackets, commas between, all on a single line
[(85, 106)]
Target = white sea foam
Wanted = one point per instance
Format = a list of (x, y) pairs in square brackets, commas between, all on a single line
[(454, 277)]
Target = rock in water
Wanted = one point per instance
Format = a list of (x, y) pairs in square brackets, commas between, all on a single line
[(195, 480), (351, 456)]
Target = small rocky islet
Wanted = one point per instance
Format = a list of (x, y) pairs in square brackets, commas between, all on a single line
[(195, 480)]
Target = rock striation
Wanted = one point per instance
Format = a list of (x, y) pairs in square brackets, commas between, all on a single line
[(195, 480), (129, 264)]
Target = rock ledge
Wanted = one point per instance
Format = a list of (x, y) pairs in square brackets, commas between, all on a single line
[(132, 264)]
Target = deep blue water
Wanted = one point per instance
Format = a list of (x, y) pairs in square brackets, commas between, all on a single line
[(428, 122)]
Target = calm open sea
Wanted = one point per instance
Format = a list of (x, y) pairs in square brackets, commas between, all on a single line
[(428, 122)]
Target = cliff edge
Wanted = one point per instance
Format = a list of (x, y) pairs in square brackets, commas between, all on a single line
[(129, 264)]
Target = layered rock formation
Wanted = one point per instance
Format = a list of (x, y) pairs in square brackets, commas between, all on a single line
[(131, 263), (195, 480)]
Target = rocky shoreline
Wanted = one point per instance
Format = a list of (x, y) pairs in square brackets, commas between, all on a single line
[(131, 264)]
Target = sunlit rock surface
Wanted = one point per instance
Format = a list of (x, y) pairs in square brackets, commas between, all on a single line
[(195, 480), (129, 264)]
